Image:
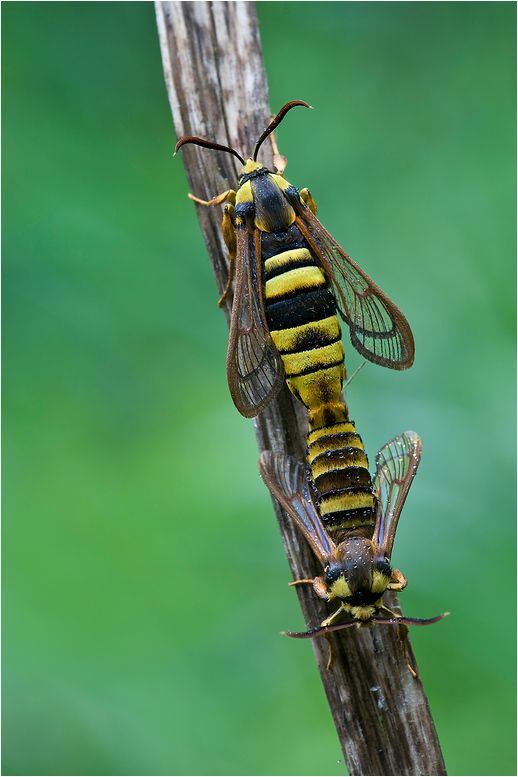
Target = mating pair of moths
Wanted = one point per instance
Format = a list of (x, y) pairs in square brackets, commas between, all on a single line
[(291, 280)]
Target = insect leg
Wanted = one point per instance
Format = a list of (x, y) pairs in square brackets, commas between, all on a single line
[(354, 373), (403, 635), (307, 199), (330, 659), (328, 622), (334, 617), (398, 581), (279, 161), (229, 195), (229, 235), (318, 585)]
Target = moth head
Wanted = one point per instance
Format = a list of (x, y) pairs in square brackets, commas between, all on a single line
[(249, 167), (358, 575)]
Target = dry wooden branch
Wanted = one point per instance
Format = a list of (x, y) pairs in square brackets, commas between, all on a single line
[(217, 89)]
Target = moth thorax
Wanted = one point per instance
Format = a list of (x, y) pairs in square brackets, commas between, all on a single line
[(273, 213), (365, 572)]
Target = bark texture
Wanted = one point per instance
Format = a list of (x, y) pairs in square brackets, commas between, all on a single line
[(217, 88)]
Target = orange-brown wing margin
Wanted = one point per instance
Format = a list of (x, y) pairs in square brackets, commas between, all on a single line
[(287, 482), (255, 371), (396, 466), (379, 330)]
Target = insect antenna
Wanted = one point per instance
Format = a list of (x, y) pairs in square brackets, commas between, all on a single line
[(275, 123), (411, 621), (318, 632), (207, 144)]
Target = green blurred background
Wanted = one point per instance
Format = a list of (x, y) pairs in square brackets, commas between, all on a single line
[(145, 583)]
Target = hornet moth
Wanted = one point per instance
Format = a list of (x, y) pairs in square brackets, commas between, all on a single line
[(291, 277), (355, 562)]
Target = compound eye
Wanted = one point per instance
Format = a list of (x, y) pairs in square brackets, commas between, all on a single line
[(383, 567), (331, 574)]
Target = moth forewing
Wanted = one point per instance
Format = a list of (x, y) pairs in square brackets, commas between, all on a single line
[(378, 329), (286, 479), (255, 370), (396, 466)]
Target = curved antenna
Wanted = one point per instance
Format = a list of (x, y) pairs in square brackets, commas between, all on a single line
[(319, 630), (207, 144), (275, 123), (412, 621), (339, 626)]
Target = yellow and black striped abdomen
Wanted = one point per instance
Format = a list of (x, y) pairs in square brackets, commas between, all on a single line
[(340, 473), (301, 314)]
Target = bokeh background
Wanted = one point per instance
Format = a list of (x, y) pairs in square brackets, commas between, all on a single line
[(144, 579)]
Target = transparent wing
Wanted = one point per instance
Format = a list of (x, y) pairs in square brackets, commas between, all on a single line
[(287, 481), (255, 370), (379, 330), (396, 465)]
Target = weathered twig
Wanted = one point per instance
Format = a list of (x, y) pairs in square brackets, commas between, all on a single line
[(217, 88)]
